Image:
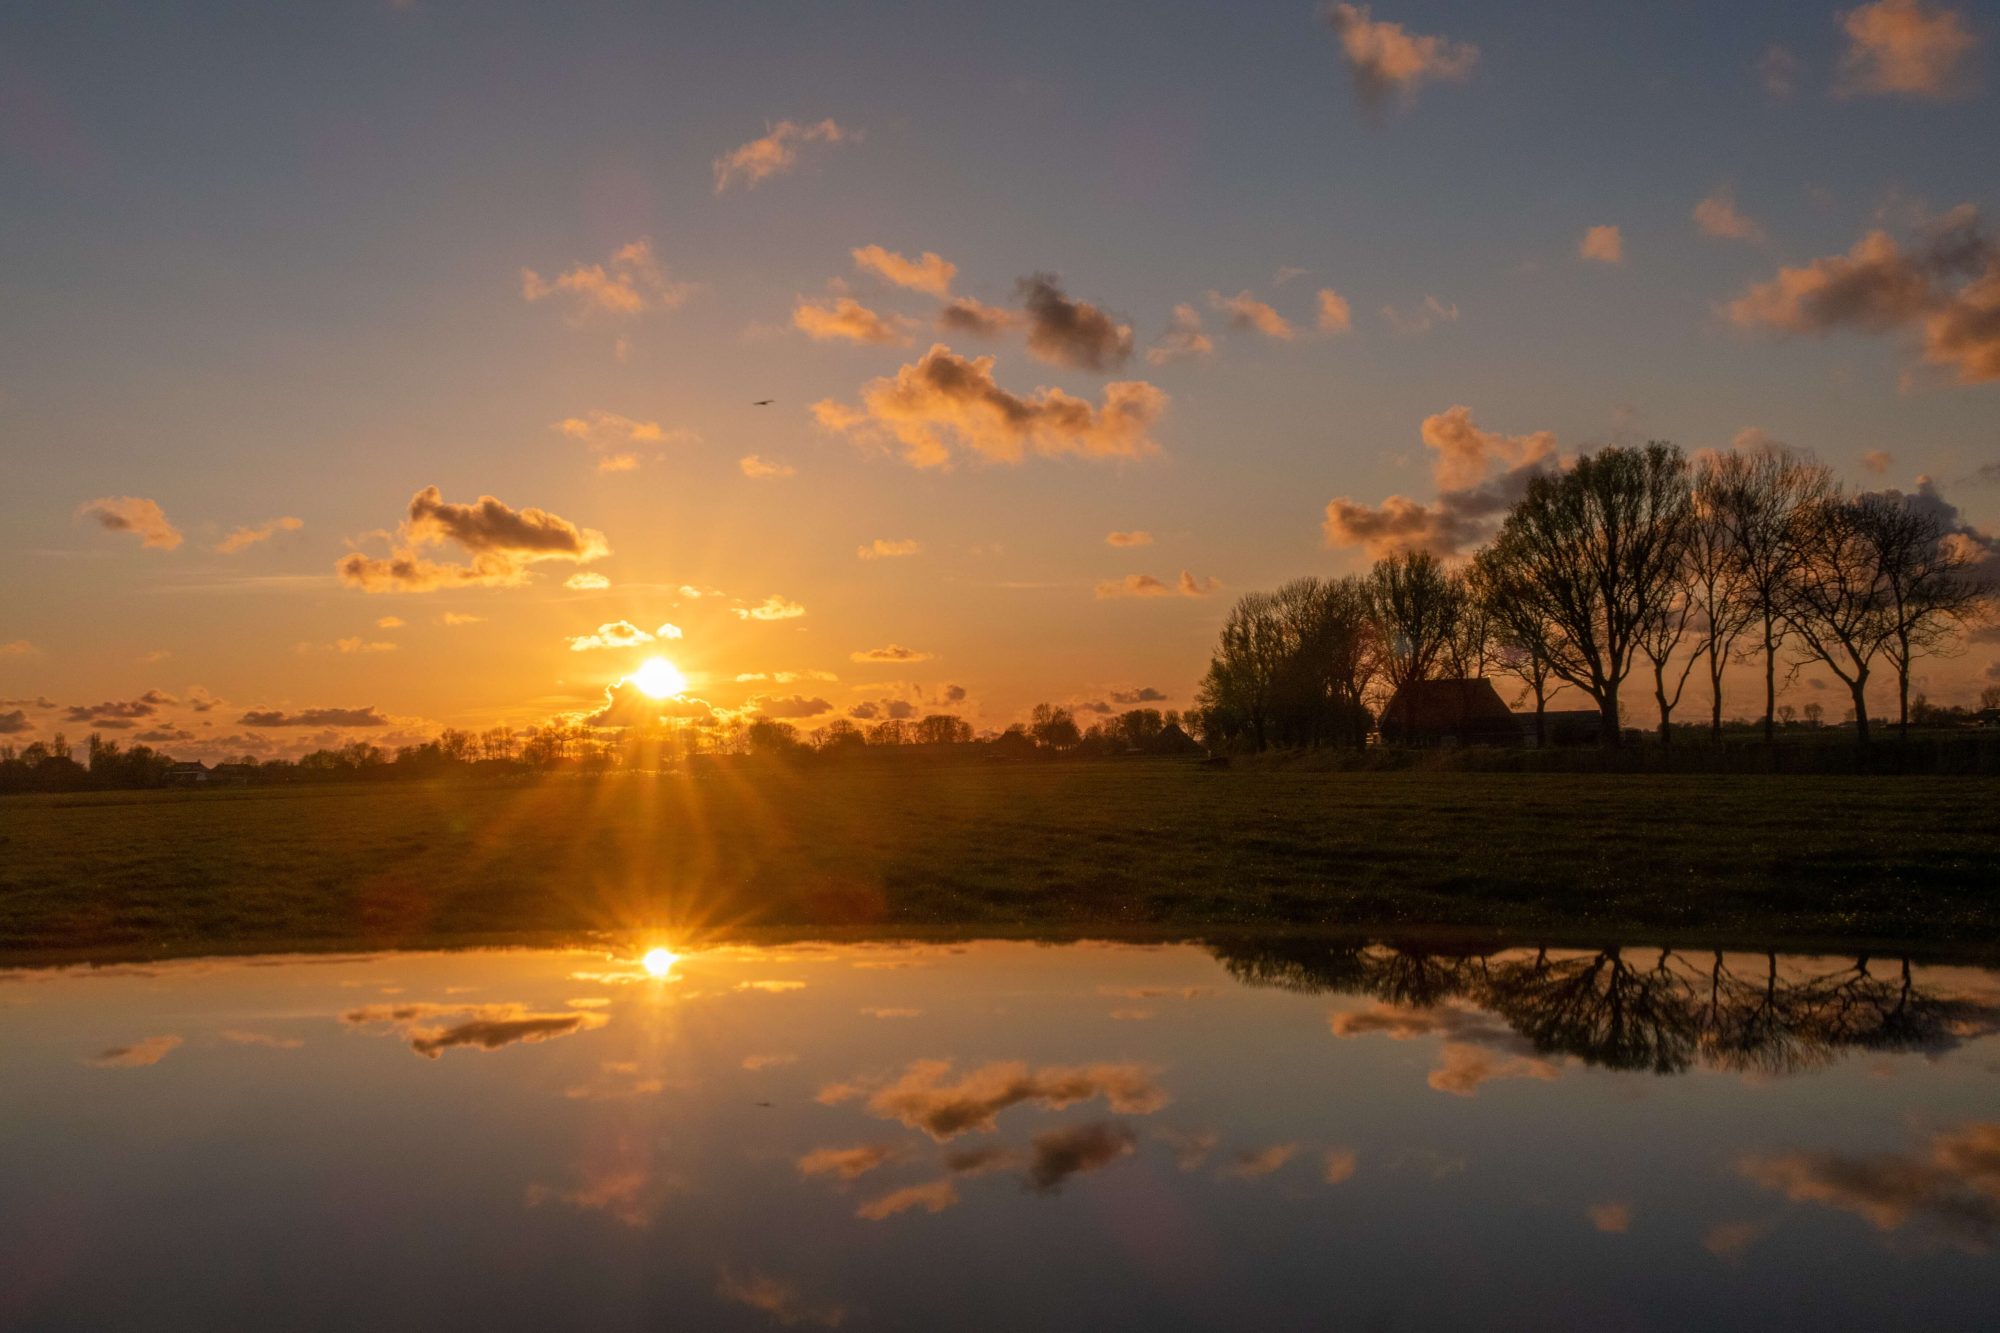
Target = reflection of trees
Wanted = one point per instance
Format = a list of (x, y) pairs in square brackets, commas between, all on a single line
[(1666, 1013)]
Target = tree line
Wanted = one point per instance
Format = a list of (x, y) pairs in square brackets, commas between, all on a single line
[(1635, 560)]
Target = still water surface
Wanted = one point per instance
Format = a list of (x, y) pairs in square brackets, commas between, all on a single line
[(1002, 1135)]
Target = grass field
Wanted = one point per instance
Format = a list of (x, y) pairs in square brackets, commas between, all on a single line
[(1085, 846)]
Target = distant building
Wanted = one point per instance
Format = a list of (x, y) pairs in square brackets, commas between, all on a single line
[(1449, 712), (188, 774), (1173, 740)]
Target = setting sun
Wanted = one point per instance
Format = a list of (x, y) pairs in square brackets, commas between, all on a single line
[(659, 962), (659, 678)]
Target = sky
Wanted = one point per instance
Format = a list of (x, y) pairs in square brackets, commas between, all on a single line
[(1076, 323)]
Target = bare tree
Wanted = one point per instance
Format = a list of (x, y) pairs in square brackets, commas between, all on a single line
[(1416, 606), (1756, 496), (1661, 631), (1717, 581), (1520, 630), (1834, 598), (1592, 553), (1927, 577)]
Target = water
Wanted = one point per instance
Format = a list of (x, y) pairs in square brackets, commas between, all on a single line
[(1002, 1135)]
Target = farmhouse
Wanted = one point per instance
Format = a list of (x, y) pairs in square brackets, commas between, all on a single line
[(1449, 712)]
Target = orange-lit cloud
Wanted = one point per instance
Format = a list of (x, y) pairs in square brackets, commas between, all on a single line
[(884, 549), (1183, 339), (846, 319), (1946, 288), (1419, 319), (118, 714), (790, 706), (773, 607), (1068, 332), (1252, 315), (922, 1098), (775, 153), (1876, 461), (1255, 1163), (243, 538), (141, 517), (1614, 1218), (945, 398), (314, 717), (931, 273), (1952, 1185), (1465, 454), (1145, 585), (1906, 47), (933, 1197), (632, 282), (968, 315), (759, 468), (615, 634), (433, 1029), (1388, 61), (1469, 500), (1602, 244), (1337, 1165), (1136, 537), (136, 1056), (893, 652), (847, 1163), (611, 437), (502, 541), (584, 581), (1335, 315), (1718, 216)]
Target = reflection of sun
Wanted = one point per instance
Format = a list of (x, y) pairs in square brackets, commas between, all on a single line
[(659, 678), (659, 962)]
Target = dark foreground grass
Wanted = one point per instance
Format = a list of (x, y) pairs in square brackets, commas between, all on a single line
[(1087, 846)]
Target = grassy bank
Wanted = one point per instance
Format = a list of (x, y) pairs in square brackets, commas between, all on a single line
[(1117, 844)]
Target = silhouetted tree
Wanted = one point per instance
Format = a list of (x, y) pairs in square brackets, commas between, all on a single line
[(1926, 578), (1416, 606), (1833, 599), (1054, 727)]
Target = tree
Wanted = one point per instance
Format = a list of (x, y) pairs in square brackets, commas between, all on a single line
[(838, 735), (768, 736), (1416, 607), (1591, 553), (1292, 668), (942, 729), (1834, 597), (1054, 728), (1242, 678), (1717, 582), (1675, 612), (1757, 496), (1926, 574), (1521, 630)]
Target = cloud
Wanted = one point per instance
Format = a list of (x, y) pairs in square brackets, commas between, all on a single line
[(1603, 244), (611, 437), (1946, 288), (966, 315), (1730, 1241), (1145, 585), (142, 518), (1876, 461), (1183, 339), (1466, 1067), (1066, 332), (933, 1197), (884, 549), (632, 282), (945, 397), (356, 644), (1253, 1164), (626, 705), (775, 153), (243, 538), (18, 648), (932, 273), (1419, 319), (136, 1056), (847, 1163), (796, 705), (1615, 1218), (1477, 1048), (1335, 315), (1952, 1185), (843, 317), (773, 607), (1190, 1150), (1058, 1154), (762, 469), (118, 714), (502, 541), (14, 723), (781, 1301), (239, 1037), (1136, 537), (783, 677), (1145, 694), (455, 618), (922, 1099), (433, 1029), (390, 622), (1469, 500), (892, 652), (314, 717), (1338, 1165), (1246, 312), (585, 581), (1389, 61), (1717, 216), (615, 634), (1906, 48)]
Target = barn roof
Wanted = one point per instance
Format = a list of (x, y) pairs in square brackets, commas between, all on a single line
[(1446, 705)]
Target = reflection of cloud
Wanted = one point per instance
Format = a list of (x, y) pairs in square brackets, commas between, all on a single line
[(486, 1027), (1466, 1067), (1254, 1163), (136, 1056), (1611, 1217), (1074, 1149), (922, 1099), (933, 1197), (846, 1163), (618, 1194), (1953, 1185)]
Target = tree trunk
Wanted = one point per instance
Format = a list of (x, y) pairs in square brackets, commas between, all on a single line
[(1660, 697), (1541, 716), (1607, 724), (1903, 688), (1859, 689), (1770, 685), (1715, 694)]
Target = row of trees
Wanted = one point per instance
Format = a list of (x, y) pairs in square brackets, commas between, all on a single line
[(1631, 559)]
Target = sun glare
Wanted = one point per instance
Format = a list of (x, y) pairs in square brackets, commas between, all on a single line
[(659, 962), (659, 678)]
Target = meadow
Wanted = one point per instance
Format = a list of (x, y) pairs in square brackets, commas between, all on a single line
[(1110, 846)]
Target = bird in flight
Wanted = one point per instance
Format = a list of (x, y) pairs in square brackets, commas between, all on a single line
[(763, 402)]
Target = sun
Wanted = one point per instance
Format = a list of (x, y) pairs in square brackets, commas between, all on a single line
[(659, 962), (659, 678)]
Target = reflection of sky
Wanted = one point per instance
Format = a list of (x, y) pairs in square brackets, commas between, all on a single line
[(512, 1138)]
